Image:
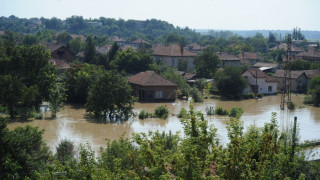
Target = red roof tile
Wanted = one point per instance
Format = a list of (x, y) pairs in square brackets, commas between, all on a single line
[(257, 73), (172, 50), (150, 78), (140, 41), (250, 56), (223, 56)]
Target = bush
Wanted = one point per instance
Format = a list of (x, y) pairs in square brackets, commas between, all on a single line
[(183, 112), (65, 151), (259, 95), (210, 111), (221, 111), (161, 112), (308, 100), (235, 112), (291, 105), (143, 114), (196, 95)]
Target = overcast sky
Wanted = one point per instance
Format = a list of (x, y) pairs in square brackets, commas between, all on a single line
[(196, 14)]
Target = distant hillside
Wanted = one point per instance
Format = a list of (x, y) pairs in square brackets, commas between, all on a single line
[(148, 29), (309, 35)]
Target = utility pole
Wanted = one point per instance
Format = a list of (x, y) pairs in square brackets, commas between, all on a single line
[(286, 89)]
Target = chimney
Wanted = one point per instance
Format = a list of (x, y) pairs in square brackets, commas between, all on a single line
[(181, 49)]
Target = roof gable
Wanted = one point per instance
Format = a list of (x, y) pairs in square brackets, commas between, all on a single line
[(223, 56)]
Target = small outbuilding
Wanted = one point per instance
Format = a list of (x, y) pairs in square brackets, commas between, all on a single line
[(149, 86)]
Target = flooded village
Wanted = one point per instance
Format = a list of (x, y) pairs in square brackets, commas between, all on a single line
[(106, 98)]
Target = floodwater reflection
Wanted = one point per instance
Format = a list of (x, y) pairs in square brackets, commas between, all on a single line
[(72, 124)]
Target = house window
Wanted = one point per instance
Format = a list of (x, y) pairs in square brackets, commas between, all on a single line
[(269, 88), (159, 94)]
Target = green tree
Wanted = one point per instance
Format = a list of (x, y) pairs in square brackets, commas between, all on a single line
[(65, 151), (131, 61), (206, 64), (76, 45), (78, 80), (23, 152), (314, 89), (300, 65), (183, 65), (110, 94), (63, 37), (30, 39), (57, 95), (229, 81), (90, 51)]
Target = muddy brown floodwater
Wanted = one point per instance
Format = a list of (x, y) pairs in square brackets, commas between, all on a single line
[(71, 123)]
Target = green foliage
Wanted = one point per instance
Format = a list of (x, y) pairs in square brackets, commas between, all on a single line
[(210, 111), (206, 64), (144, 114), (90, 51), (110, 94), (229, 82), (291, 105), (76, 45), (25, 79), (221, 111), (314, 90), (131, 61), (57, 95), (78, 81), (23, 152), (65, 151), (183, 113), (235, 112), (161, 112), (183, 65), (308, 99), (196, 95), (300, 65), (201, 84)]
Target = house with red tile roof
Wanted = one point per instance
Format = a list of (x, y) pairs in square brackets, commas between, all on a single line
[(171, 54), (139, 42), (149, 86), (228, 59), (259, 82), (251, 57), (61, 56), (268, 67), (294, 50), (118, 40), (195, 48), (312, 55)]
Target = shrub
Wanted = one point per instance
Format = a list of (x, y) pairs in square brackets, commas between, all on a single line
[(235, 112), (196, 95), (251, 95), (143, 114), (161, 112), (308, 100), (259, 95), (210, 111), (65, 151), (221, 111), (183, 112), (291, 105)]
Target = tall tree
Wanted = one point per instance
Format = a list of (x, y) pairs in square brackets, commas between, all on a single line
[(206, 64), (110, 94), (229, 81), (90, 51)]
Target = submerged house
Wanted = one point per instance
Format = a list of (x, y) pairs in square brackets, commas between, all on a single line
[(298, 80), (260, 82), (149, 86)]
